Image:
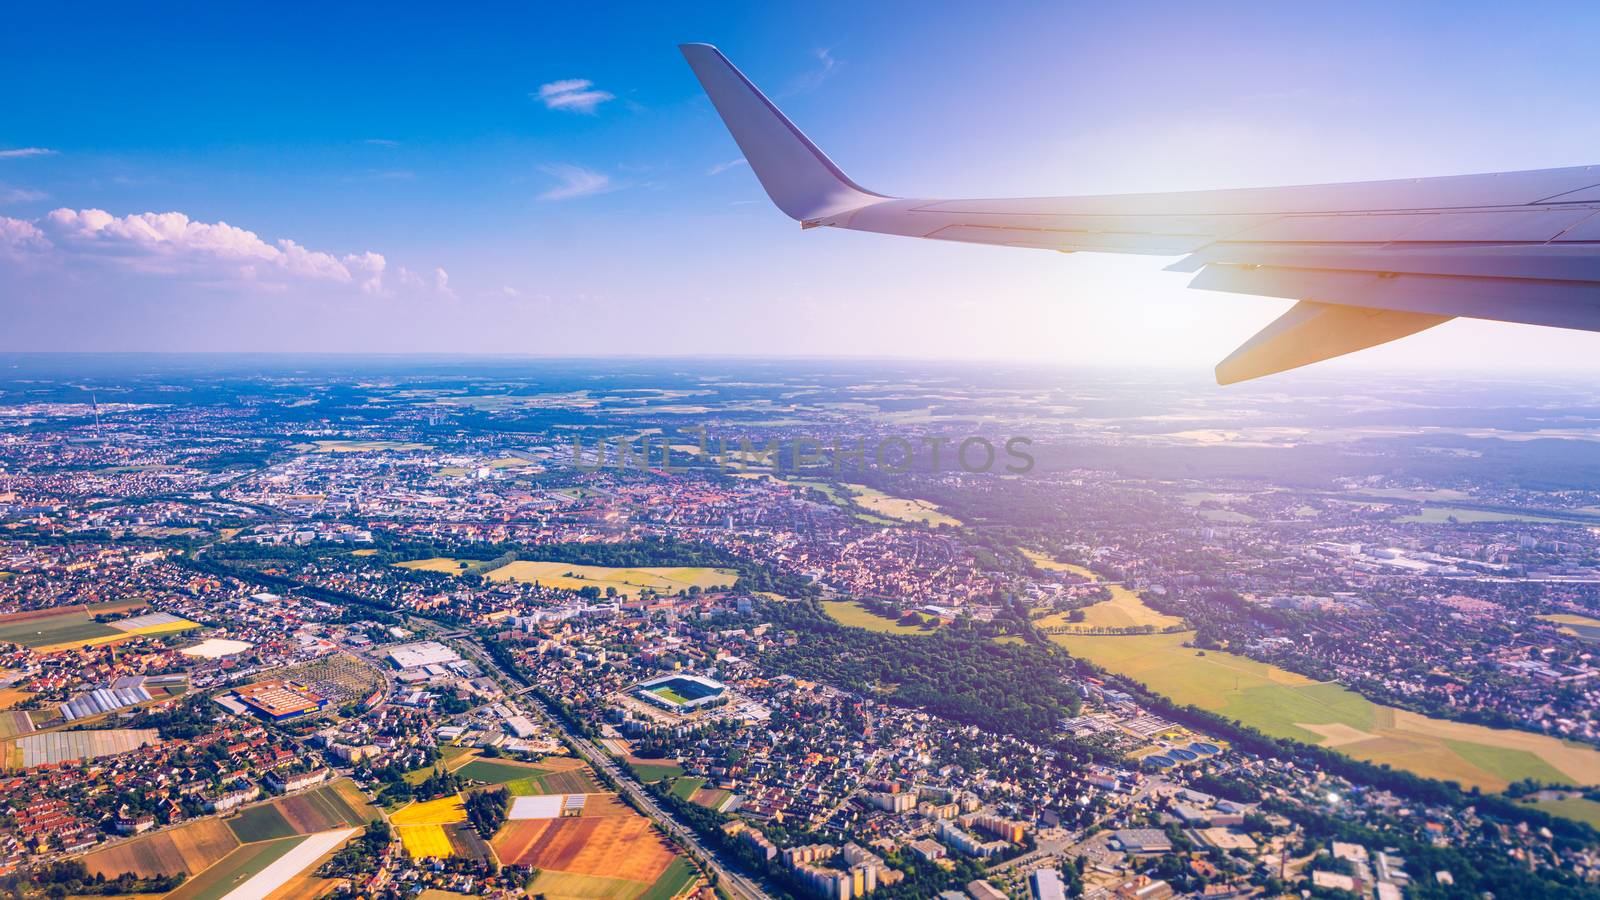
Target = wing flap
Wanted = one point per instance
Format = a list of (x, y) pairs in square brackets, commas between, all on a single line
[(1312, 332), (1562, 304)]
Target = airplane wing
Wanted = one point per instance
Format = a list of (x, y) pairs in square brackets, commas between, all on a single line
[(1369, 261)]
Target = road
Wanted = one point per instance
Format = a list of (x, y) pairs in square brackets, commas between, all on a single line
[(728, 878)]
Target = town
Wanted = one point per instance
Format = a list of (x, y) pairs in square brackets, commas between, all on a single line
[(386, 634)]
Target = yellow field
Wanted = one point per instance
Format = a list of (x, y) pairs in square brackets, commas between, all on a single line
[(165, 628), (425, 841), (10, 697), (443, 564), (572, 886), (1285, 704), (1051, 565), (443, 811), (628, 582), (1123, 610), (899, 508), (369, 551), (1570, 619)]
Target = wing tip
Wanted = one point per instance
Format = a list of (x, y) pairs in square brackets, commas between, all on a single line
[(799, 178)]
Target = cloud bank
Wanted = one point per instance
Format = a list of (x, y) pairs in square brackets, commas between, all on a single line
[(82, 243)]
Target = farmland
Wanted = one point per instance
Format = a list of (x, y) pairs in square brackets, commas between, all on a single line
[(495, 771), (1288, 705), (425, 841), (694, 790), (649, 769), (234, 870), (60, 746), (438, 829), (622, 847), (332, 806), (424, 828), (283, 868), (70, 627), (552, 775), (189, 848), (15, 723), (273, 842), (443, 811)]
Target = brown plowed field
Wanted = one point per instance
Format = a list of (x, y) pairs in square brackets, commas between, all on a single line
[(322, 809), (187, 848), (613, 846)]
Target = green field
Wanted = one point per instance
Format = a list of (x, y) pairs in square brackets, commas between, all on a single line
[(233, 870), (655, 771), (899, 509), (1576, 808), (670, 695), (573, 886), (684, 788), (1437, 515), (674, 881), (490, 771), (1284, 704), (261, 823), (67, 628), (848, 612)]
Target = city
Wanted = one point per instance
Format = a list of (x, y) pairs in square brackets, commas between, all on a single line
[(368, 629)]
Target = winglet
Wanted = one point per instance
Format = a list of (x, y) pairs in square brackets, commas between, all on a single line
[(799, 178)]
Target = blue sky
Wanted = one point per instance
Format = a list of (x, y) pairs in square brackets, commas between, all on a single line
[(612, 217)]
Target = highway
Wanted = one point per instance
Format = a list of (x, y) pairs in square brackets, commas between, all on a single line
[(728, 878)]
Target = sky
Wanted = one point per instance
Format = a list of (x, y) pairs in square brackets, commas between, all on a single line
[(549, 179)]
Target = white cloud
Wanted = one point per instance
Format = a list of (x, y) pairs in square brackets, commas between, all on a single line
[(20, 152), (441, 283), (9, 194), (813, 79), (721, 167), (19, 237), (382, 142), (573, 95), (575, 181), (172, 244)]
